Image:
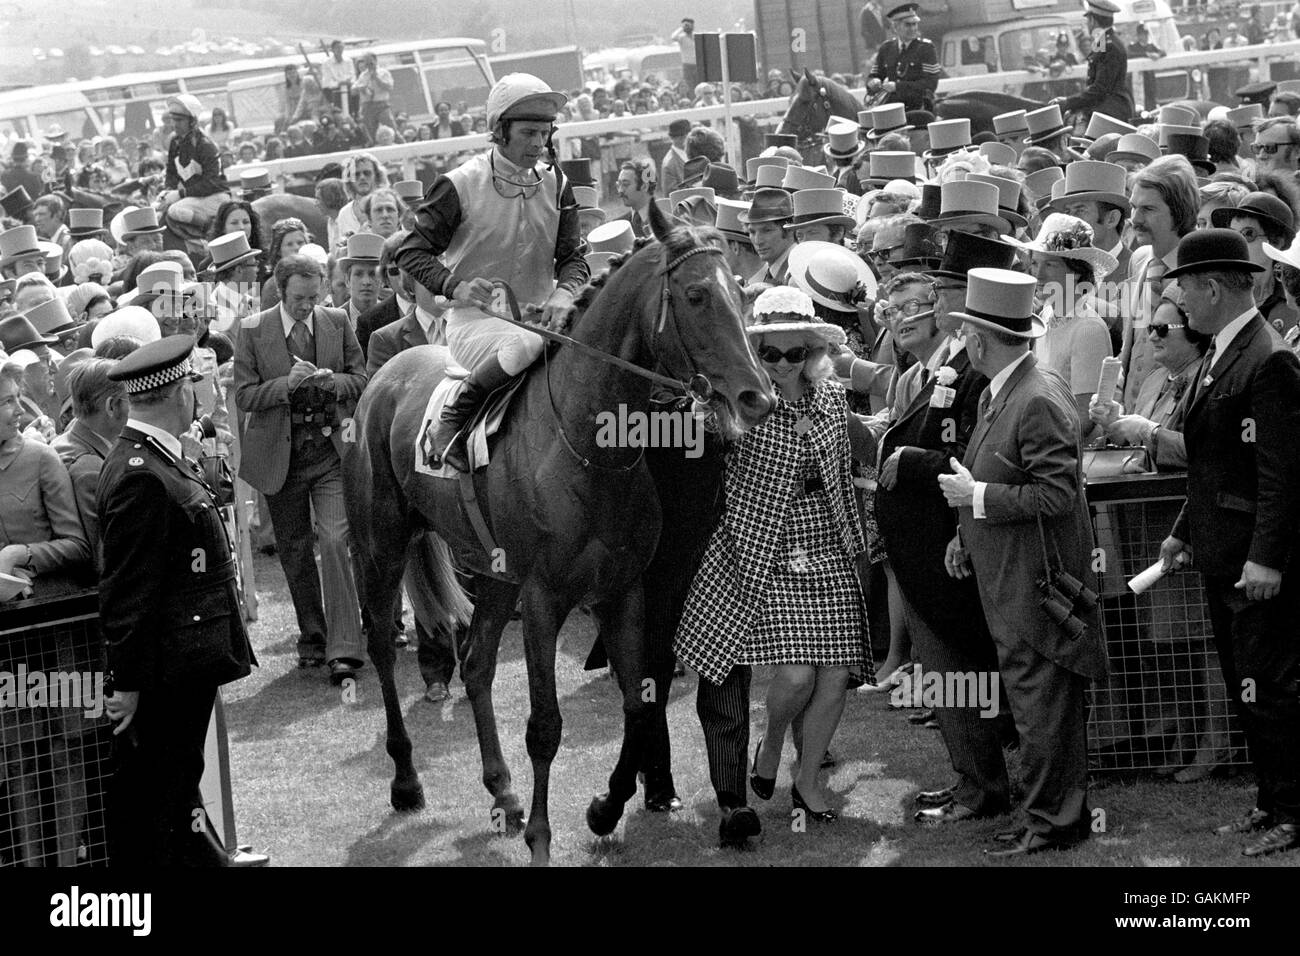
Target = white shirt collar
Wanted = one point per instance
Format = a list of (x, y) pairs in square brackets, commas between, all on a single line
[(404, 305), (431, 324), (1230, 332), (681, 153), (287, 321), (169, 442), (1000, 379), (1117, 249)]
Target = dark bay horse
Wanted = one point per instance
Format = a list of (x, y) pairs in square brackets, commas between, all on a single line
[(816, 99), (573, 521), (980, 106)]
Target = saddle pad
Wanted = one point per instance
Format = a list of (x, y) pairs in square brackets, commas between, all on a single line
[(486, 422)]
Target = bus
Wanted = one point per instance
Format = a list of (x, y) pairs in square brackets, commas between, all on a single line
[(455, 69)]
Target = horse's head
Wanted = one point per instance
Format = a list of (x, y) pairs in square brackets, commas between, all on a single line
[(697, 325), (810, 107)]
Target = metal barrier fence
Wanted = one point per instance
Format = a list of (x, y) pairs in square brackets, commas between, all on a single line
[(1164, 704), (54, 760)]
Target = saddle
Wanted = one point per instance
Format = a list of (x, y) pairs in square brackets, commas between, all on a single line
[(476, 433)]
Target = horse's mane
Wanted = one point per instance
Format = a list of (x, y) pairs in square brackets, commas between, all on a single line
[(681, 239)]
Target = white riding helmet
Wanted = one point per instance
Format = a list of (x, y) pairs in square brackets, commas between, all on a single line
[(185, 103), (523, 96)]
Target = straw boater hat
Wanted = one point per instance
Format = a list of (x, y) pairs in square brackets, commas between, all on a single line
[(1045, 125), (364, 248), (588, 203), (842, 141), (84, 223), (831, 274), (887, 166), (1003, 301), (768, 205), (232, 249), (1068, 238), (1090, 181), (971, 202), (1272, 213), (785, 309), (728, 222), (18, 244), (947, 136), (819, 207), (890, 118), (1135, 146)]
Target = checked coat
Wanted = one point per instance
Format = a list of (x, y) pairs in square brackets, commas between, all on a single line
[(740, 563)]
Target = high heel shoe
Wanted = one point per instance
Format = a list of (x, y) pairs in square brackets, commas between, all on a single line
[(764, 787), (817, 816)]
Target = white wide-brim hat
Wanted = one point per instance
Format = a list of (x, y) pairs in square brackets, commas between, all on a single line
[(783, 308), (1067, 237)]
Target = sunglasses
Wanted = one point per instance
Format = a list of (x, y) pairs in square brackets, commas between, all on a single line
[(771, 355), (1162, 331), (1268, 149)]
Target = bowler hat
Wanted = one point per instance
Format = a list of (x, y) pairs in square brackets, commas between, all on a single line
[(1003, 301), (966, 251), (768, 205), (1213, 250), (1273, 214)]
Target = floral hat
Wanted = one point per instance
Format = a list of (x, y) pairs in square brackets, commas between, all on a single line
[(1068, 237), (786, 309)]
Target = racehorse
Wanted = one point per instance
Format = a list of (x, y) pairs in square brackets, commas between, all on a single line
[(816, 99), (980, 106), (574, 521)]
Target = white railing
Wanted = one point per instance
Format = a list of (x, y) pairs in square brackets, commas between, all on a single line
[(652, 126)]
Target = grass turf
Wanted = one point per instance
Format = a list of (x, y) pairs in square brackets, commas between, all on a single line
[(310, 778)]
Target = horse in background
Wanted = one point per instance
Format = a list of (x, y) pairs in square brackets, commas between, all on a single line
[(980, 106), (816, 99)]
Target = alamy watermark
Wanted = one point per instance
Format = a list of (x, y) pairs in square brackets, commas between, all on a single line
[(948, 689), (635, 428), (22, 689)]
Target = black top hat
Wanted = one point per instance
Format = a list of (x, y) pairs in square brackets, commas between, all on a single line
[(1271, 212), (920, 247), (968, 251), (16, 202), (780, 139), (578, 171), (931, 202), (722, 179), (694, 170), (1213, 250), (1196, 148)]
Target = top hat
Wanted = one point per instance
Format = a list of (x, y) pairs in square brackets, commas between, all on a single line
[(947, 136), (1008, 197), (752, 166), (787, 309), (842, 141), (1213, 250), (770, 176), (1273, 214), (966, 251), (1005, 124), (1068, 237), (16, 202), (1135, 146), (966, 201), (614, 237), (921, 248), (728, 222), (410, 191), (722, 179), (1174, 115), (998, 154), (255, 180), (1102, 146), (890, 118), (1003, 301), (586, 198), (364, 248), (768, 205), (1039, 183), (780, 139), (836, 277), (887, 166), (679, 127), (1045, 125), (17, 332), (140, 221), (819, 206), (1100, 124), (50, 317), (801, 177), (1092, 181), (1243, 117), (578, 171), (1195, 147), (161, 278), (83, 223), (694, 170), (1260, 92), (232, 249), (931, 202), (19, 243)]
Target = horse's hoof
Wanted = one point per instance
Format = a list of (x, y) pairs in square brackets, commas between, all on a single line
[(508, 816), (603, 814), (407, 797)]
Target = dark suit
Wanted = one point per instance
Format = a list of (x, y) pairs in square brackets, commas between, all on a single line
[(1032, 423), (1243, 451), (82, 453), (944, 615), (377, 316), (292, 448), (170, 617), (640, 227)]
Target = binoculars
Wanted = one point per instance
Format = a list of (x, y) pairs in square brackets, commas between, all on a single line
[(1063, 595)]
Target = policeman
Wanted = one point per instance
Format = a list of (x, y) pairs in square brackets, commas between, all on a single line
[(169, 613), (907, 65), (1108, 89)]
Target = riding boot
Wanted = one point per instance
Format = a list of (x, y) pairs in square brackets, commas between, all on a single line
[(486, 378)]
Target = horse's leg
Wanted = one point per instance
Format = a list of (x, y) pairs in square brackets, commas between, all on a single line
[(493, 603), (622, 629), (543, 615)]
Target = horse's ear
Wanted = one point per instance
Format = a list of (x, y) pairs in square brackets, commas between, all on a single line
[(808, 75), (660, 225), (794, 76)]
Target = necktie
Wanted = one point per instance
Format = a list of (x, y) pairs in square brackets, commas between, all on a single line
[(986, 396), (301, 344), (1156, 270), (1204, 376)]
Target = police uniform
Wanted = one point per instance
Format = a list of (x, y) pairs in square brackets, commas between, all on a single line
[(173, 632), (1107, 88), (914, 69)]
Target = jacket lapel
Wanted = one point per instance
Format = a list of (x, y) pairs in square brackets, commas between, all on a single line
[(328, 346), (1230, 355), (276, 347), (996, 405), (412, 334)]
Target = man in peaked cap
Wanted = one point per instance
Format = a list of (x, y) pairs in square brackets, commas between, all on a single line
[(170, 616), (1107, 88), (907, 64), (195, 186)]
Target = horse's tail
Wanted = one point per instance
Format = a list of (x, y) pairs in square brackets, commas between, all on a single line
[(448, 599)]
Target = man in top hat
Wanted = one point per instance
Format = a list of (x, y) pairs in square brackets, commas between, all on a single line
[(169, 613), (844, 150), (769, 212), (85, 224), (1048, 130), (1095, 193), (1022, 467), (636, 186), (1107, 88), (360, 265), (1011, 129), (673, 168), (1241, 520), (17, 204), (819, 216), (195, 186), (741, 257), (20, 252), (137, 229), (234, 291), (254, 184), (524, 228), (907, 64)]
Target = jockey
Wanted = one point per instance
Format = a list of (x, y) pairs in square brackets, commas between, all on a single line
[(499, 216), (196, 187)]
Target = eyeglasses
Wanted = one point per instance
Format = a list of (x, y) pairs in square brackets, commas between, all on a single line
[(909, 307), (883, 255), (1249, 234), (771, 355), (1162, 331), (1268, 149)]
